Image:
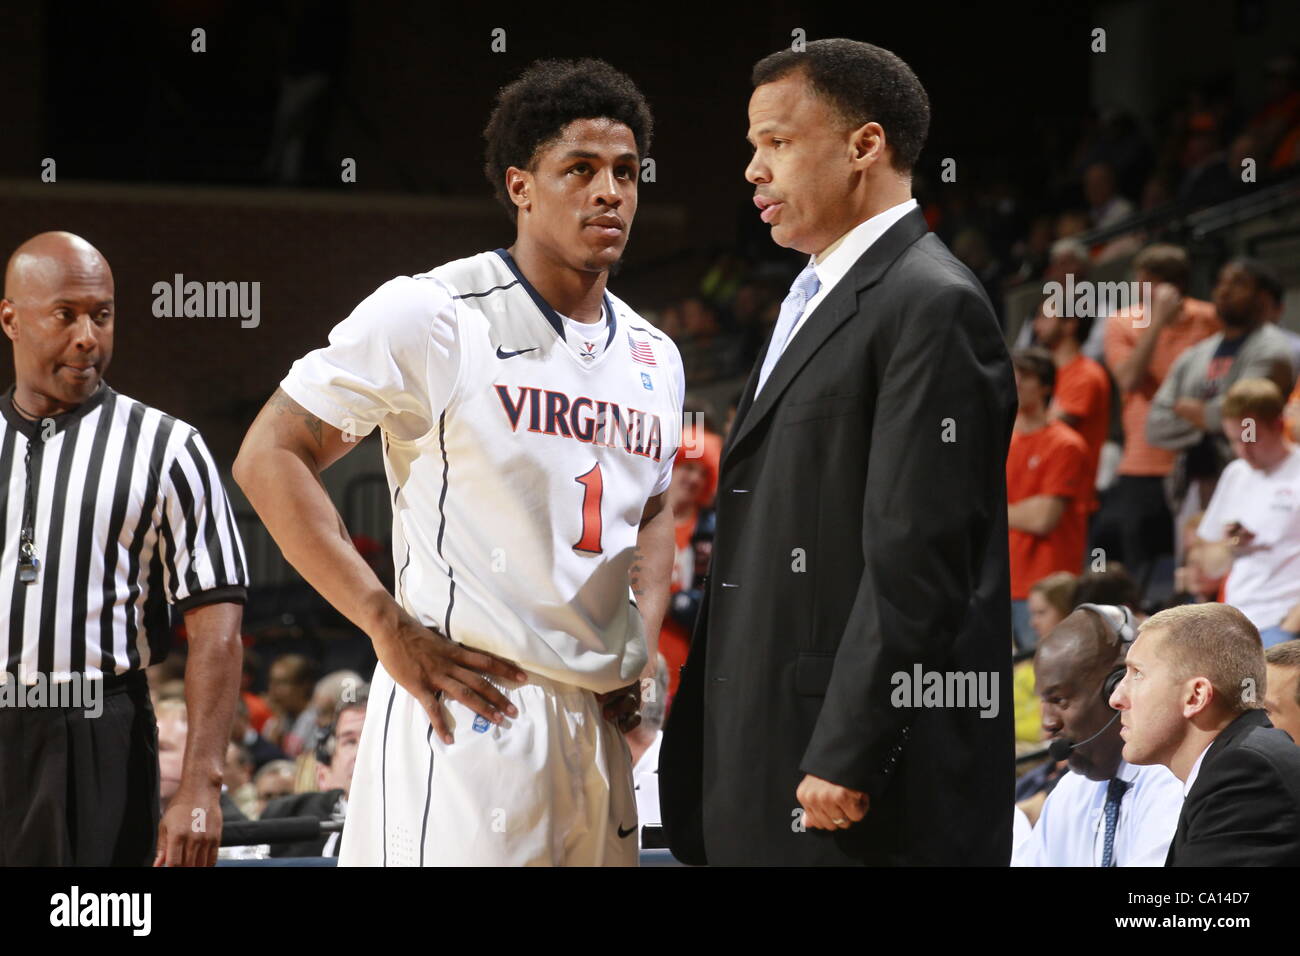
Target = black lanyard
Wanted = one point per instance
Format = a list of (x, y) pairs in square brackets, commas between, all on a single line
[(28, 563)]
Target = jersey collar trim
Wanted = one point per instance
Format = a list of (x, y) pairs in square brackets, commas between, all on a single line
[(544, 307)]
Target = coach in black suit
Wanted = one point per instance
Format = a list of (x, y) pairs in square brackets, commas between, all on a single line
[(862, 516), (1193, 678)]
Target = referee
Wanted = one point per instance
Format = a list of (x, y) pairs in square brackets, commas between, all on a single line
[(109, 511)]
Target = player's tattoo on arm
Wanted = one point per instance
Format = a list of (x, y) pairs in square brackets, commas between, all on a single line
[(282, 403), (634, 572)]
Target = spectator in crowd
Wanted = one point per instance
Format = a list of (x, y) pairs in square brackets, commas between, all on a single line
[(1050, 601), (971, 246), (643, 740), (273, 780), (1105, 812), (173, 725), (1205, 177), (336, 756), (1106, 208), (1251, 527), (257, 709), (1081, 398), (1188, 702), (239, 779), (1282, 689), (1134, 524), (289, 692), (1186, 413), (695, 480), (1276, 125), (1067, 257), (173, 730), (1111, 585), (242, 733), (332, 691), (1047, 489), (1275, 295)]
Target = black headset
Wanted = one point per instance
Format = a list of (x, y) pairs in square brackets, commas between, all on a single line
[(1119, 621)]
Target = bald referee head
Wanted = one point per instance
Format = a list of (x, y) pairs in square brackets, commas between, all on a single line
[(58, 312)]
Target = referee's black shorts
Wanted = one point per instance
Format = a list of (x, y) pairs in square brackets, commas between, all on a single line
[(79, 790)]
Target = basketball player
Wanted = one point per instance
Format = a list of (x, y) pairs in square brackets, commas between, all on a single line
[(529, 422)]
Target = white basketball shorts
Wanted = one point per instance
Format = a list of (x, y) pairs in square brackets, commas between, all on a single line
[(551, 787)]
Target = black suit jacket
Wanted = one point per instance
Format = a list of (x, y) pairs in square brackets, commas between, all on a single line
[(319, 804), (1244, 807), (862, 531)]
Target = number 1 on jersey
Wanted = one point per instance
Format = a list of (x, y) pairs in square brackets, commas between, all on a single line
[(593, 486)]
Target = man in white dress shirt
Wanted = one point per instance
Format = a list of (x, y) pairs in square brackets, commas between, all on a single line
[(1105, 812)]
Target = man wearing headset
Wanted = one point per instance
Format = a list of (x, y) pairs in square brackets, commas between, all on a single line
[(1105, 812), (336, 757)]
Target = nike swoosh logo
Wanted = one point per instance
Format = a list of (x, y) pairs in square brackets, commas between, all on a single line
[(626, 833), (503, 354)]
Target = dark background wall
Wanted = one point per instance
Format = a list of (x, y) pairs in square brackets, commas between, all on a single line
[(178, 162)]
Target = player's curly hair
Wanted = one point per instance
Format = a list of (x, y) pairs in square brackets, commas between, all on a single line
[(533, 111)]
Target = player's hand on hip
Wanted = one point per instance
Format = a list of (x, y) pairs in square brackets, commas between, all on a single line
[(622, 706), (428, 665), (828, 806)]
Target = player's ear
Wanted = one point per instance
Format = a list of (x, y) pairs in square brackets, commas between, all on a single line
[(519, 187)]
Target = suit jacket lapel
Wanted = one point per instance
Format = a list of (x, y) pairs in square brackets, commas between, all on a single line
[(833, 311), (1240, 726)]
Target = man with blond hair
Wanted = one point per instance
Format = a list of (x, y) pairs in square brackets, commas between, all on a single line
[(1188, 701), (1251, 529)]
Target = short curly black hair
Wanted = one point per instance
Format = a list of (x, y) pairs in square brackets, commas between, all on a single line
[(534, 110), (864, 83)]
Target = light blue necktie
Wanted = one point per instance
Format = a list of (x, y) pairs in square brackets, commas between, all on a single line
[(1114, 794), (805, 287)]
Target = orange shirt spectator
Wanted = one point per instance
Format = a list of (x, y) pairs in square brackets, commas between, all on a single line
[(1083, 393), (695, 481), (1195, 321), (1052, 460)]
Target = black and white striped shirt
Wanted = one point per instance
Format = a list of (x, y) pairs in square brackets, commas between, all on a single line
[(128, 515)]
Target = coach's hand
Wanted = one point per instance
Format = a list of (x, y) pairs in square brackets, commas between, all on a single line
[(428, 665), (828, 806), (187, 837)]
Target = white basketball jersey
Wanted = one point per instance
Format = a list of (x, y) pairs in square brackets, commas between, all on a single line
[(518, 468)]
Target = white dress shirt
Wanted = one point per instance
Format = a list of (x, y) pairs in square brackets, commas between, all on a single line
[(844, 252), (1196, 769), (1070, 830), (645, 778)]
